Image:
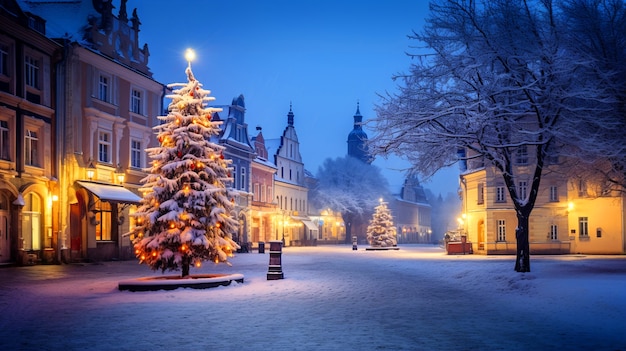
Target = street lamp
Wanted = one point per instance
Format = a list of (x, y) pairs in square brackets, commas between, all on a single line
[(91, 170), (120, 174)]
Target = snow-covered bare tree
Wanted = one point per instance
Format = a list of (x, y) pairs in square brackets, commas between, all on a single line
[(496, 81), (351, 187), (597, 30)]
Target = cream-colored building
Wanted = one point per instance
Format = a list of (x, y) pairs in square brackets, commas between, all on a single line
[(290, 191), (568, 217)]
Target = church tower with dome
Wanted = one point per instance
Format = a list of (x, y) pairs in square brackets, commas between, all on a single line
[(357, 139)]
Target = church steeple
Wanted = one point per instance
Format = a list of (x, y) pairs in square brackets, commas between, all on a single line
[(357, 139), (290, 116)]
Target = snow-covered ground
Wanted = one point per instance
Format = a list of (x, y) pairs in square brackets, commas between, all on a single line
[(332, 298)]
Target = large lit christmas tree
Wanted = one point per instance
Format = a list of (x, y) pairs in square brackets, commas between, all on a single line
[(381, 231), (185, 215)]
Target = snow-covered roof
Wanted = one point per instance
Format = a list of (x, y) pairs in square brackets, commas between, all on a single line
[(64, 18)]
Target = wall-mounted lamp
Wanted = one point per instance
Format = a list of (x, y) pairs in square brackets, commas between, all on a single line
[(91, 170), (120, 174)]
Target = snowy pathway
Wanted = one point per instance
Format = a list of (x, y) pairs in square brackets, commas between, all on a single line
[(332, 298)]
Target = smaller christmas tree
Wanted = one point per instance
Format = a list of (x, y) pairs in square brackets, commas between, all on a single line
[(381, 231), (185, 216)]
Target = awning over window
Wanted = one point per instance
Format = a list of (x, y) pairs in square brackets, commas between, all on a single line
[(306, 221), (111, 193), (310, 225)]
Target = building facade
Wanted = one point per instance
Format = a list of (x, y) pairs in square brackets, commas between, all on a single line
[(238, 148), (263, 208), (291, 193), (569, 216), (29, 174), (412, 213), (107, 103)]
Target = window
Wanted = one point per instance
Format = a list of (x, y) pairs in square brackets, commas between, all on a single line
[(554, 194), (500, 194), (103, 221), (269, 193), (104, 92), (256, 196), (554, 233), (501, 230), (522, 190), (4, 140), (263, 193), (4, 60), (235, 184), (481, 194), (582, 188), (104, 147), (243, 178), (136, 102), (31, 148), (583, 226), (521, 156), (135, 154), (31, 71), (31, 222)]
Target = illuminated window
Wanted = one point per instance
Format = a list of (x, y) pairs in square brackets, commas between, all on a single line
[(103, 221), (31, 222), (481, 194)]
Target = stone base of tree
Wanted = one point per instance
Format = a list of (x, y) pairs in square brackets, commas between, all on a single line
[(381, 248), (171, 282)]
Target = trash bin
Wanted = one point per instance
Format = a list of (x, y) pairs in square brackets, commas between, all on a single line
[(261, 247)]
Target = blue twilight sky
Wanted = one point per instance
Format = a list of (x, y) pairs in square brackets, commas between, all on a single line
[(320, 56)]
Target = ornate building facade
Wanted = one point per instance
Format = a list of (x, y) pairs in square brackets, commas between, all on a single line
[(238, 148), (107, 103), (291, 192), (29, 173)]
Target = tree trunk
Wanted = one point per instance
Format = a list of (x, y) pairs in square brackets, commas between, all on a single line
[(522, 261), (185, 266)]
